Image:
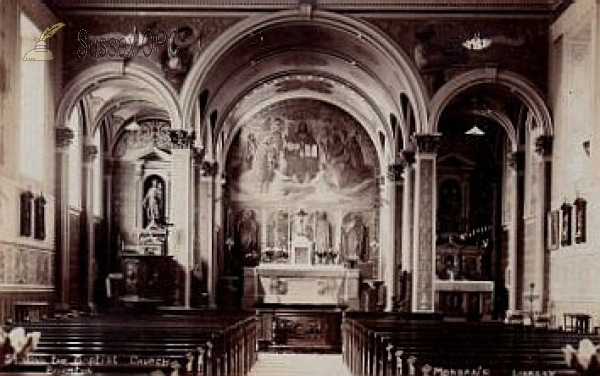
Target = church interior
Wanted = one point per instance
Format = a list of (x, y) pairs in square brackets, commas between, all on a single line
[(187, 186)]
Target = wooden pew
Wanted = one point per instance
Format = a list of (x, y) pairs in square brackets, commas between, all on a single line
[(383, 344), (206, 343)]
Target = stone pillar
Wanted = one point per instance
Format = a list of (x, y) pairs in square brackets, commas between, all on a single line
[(138, 196), (64, 136), (516, 161), (113, 247), (408, 156), (423, 289), (205, 197), (180, 240), (391, 235), (544, 149), (89, 154)]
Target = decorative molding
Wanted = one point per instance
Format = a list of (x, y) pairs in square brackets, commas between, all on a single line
[(395, 171), (182, 139), (408, 157), (209, 168), (426, 143), (354, 5), (543, 145), (64, 137), (89, 153), (516, 160)]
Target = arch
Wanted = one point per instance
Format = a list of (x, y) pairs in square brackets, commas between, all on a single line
[(410, 78), (513, 81), (91, 77)]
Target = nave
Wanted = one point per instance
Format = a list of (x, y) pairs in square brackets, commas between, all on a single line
[(211, 343), (269, 364)]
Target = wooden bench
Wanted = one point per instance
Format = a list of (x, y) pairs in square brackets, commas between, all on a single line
[(393, 345), (206, 343)]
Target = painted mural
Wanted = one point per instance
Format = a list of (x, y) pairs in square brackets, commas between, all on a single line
[(305, 151), (302, 172)]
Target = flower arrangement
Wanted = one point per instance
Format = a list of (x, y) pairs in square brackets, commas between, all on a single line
[(15, 344), (585, 359)]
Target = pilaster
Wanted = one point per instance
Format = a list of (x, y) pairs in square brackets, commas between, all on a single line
[(90, 152), (63, 138), (423, 292), (544, 148), (181, 242), (516, 162)]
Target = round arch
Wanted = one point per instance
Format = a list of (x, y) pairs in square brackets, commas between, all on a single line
[(409, 75), (514, 82), (91, 77)]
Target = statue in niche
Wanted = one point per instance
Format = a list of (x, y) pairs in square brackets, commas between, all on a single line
[(354, 240), (322, 233), (153, 204), (247, 237)]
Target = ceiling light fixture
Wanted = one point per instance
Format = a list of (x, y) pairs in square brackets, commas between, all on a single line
[(475, 131), (477, 43)]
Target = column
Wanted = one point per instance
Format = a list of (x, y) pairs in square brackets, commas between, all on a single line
[(89, 154), (206, 222), (407, 224), (391, 235), (113, 246), (423, 289), (64, 136), (180, 241), (516, 161), (544, 149)]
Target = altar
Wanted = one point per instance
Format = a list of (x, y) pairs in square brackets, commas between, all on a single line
[(301, 284), (464, 298)]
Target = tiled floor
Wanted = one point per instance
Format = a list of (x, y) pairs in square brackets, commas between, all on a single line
[(270, 364)]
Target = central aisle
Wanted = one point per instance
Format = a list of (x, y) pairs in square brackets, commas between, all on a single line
[(270, 364)]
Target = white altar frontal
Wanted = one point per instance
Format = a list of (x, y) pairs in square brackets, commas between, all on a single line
[(301, 284)]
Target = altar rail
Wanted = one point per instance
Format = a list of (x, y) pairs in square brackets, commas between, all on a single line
[(397, 344), (203, 343)]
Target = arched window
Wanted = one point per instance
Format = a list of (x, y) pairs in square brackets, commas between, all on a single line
[(32, 106)]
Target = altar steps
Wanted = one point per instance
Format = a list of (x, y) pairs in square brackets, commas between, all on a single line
[(270, 364)]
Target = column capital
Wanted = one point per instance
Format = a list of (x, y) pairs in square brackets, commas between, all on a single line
[(64, 137), (209, 168), (395, 171), (543, 145), (90, 152), (426, 143), (181, 138), (516, 160), (408, 156)]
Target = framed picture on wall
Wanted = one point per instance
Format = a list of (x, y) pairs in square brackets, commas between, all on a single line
[(553, 229), (580, 220), (565, 233)]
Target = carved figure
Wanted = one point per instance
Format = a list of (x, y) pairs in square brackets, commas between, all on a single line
[(153, 203), (322, 233), (247, 233), (354, 240)]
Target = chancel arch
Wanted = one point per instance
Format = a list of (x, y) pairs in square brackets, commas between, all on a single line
[(335, 59)]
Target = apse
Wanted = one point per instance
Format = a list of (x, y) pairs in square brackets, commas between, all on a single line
[(295, 164)]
